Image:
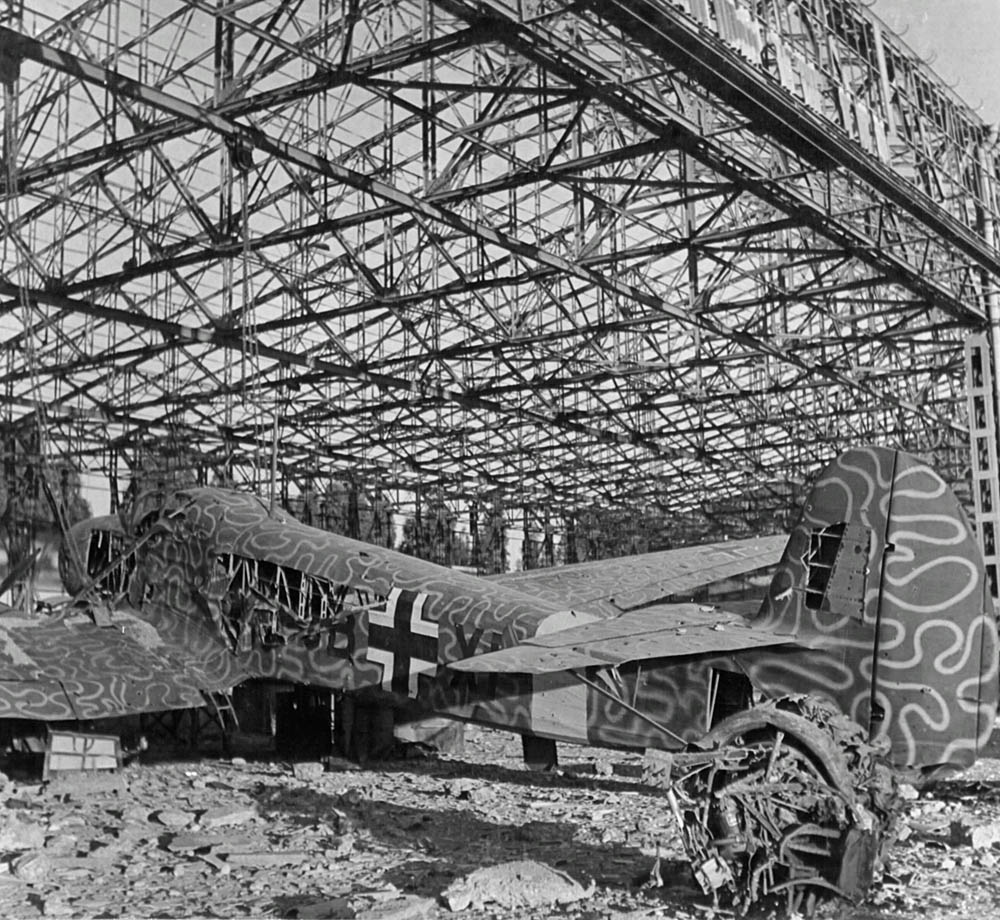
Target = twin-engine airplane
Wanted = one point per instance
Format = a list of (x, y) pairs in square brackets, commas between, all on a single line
[(778, 735)]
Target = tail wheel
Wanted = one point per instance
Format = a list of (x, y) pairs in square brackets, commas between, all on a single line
[(789, 804)]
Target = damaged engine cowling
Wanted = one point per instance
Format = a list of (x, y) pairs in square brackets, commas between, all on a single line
[(782, 803)]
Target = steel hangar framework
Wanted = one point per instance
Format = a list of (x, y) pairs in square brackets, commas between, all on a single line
[(621, 253)]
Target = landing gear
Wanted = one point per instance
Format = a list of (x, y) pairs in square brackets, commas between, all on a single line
[(786, 802)]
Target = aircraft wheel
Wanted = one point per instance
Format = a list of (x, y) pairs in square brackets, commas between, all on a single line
[(795, 804)]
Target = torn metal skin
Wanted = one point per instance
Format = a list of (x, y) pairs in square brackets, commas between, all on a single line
[(781, 804)]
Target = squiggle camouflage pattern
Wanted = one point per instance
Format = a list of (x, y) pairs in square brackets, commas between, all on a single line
[(66, 668), (930, 689), (881, 583), (190, 596)]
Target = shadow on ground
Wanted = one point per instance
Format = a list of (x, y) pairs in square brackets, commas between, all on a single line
[(442, 841)]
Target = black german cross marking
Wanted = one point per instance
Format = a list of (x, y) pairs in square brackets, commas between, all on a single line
[(402, 641)]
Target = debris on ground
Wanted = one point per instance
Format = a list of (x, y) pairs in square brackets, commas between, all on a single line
[(515, 885), (248, 837)]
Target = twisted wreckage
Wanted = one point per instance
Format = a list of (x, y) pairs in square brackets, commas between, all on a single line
[(777, 737)]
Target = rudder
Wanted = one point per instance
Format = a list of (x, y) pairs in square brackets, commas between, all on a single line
[(885, 586)]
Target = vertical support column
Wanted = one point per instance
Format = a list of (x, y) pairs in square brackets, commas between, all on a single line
[(527, 549), (496, 548), (981, 356), (569, 522), (428, 104), (983, 443), (476, 560), (418, 522), (223, 78), (687, 178)]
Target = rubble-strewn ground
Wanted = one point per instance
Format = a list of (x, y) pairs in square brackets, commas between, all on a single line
[(190, 837)]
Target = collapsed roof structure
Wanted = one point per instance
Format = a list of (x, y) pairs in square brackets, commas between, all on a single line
[(628, 254)]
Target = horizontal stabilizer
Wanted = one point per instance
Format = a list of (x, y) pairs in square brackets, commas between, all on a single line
[(69, 668), (614, 585), (662, 631)]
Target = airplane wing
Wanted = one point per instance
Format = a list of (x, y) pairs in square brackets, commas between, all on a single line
[(610, 586), (661, 631), (69, 667)]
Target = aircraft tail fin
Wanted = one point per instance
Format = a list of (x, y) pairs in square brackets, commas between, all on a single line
[(884, 585)]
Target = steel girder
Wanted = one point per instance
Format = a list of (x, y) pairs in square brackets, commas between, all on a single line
[(578, 253)]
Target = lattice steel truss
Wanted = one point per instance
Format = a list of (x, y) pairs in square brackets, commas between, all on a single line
[(625, 253)]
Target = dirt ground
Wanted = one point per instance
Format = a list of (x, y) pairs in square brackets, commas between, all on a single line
[(257, 836)]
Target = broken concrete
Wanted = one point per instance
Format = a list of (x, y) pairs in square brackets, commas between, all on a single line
[(227, 816), (308, 771), (171, 817), (223, 868), (328, 909), (468, 789), (31, 867), (406, 908), (514, 885), (377, 842), (191, 841), (90, 864), (980, 835), (18, 834), (259, 859)]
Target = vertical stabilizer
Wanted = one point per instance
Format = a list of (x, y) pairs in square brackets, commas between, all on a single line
[(885, 586)]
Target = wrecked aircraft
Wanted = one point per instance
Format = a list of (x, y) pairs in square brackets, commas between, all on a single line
[(777, 737)]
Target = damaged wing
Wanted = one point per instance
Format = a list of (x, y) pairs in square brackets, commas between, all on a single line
[(69, 667), (610, 586), (661, 631)]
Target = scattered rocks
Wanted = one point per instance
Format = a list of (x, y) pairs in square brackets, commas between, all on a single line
[(260, 859), (82, 865), (19, 834), (31, 867), (330, 909), (61, 845), (405, 908), (343, 848), (468, 789), (170, 817), (228, 816), (370, 843), (223, 868), (517, 885), (309, 771), (975, 833), (189, 842), (604, 767)]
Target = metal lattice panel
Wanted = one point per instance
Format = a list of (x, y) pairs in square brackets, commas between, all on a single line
[(625, 253)]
